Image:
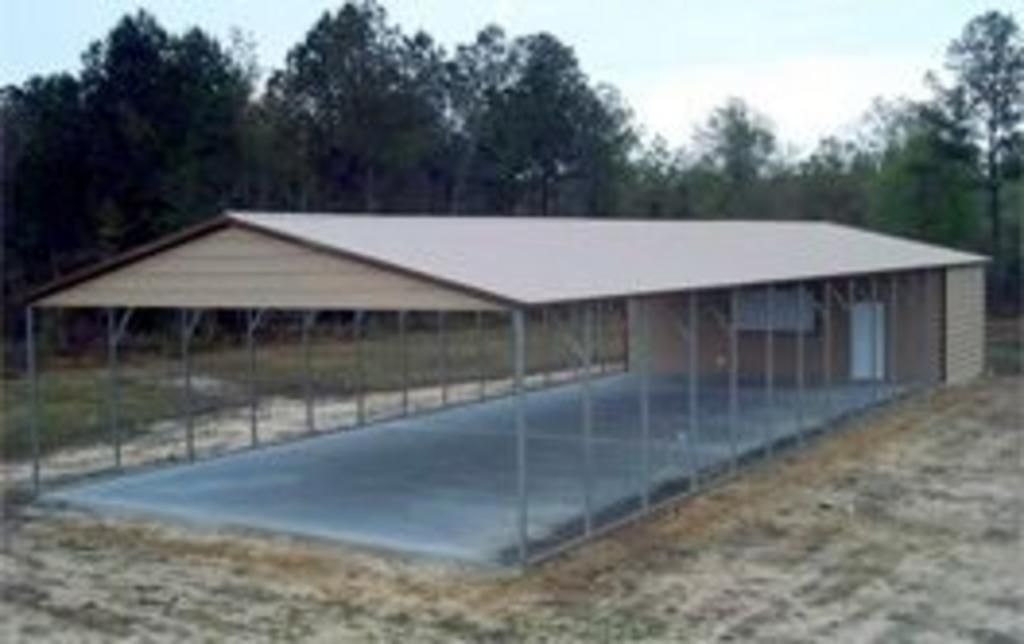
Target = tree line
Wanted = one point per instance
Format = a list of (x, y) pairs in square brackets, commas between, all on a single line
[(159, 130)]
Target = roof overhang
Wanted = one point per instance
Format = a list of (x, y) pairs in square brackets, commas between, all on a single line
[(438, 263)]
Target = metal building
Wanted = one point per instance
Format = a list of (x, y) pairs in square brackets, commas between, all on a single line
[(691, 348)]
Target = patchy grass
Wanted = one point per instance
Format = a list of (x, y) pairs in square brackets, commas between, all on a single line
[(1005, 355), (74, 391)]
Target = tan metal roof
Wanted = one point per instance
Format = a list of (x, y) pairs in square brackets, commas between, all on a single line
[(534, 260), (484, 262)]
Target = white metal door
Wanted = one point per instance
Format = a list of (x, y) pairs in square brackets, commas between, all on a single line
[(867, 341)]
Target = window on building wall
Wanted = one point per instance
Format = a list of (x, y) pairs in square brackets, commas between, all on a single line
[(778, 309)]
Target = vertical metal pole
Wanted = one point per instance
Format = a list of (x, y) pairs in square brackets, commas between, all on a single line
[(769, 368), (893, 322), (692, 386), (733, 377), (481, 354), (442, 342), (645, 401), (186, 363), (113, 403), (929, 358), (33, 385), (801, 399), (851, 301), (545, 325), (308, 319), (599, 336), (588, 419), (519, 370), (876, 306), (250, 348), (403, 346), (357, 339), (826, 347)]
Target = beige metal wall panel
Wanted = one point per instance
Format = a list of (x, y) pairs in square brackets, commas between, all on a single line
[(914, 332), (964, 324), (238, 268), (669, 314)]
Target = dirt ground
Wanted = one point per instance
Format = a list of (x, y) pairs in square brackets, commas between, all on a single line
[(905, 528)]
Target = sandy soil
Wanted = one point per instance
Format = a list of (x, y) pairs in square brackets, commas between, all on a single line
[(907, 528)]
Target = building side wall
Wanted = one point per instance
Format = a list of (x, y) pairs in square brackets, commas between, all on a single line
[(914, 312), (237, 268), (964, 324)]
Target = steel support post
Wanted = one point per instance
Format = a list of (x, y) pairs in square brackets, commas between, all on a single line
[(801, 398), (115, 331), (826, 347), (599, 336), (769, 369), (645, 401), (733, 329), (357, 340), (308, 320), (252, 323), (588, 419), (545, 326), (876, 306), (692, 385), (113, 394), (33, 385), (442, 363), (519, 372), (892, 322), (403, 347), (481, 354), (186, 365), (851, 301), (926, 335), (189, 321)]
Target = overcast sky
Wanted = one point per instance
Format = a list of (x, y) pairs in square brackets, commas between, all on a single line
[(812, 66)]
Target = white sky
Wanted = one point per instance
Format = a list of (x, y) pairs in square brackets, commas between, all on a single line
[(811, 66)]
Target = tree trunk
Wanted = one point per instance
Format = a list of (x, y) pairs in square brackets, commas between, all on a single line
[(998, 277)]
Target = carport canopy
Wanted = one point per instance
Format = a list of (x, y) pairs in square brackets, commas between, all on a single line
[(385, 262)]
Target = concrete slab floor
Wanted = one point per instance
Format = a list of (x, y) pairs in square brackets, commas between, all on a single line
[(444, 483)]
